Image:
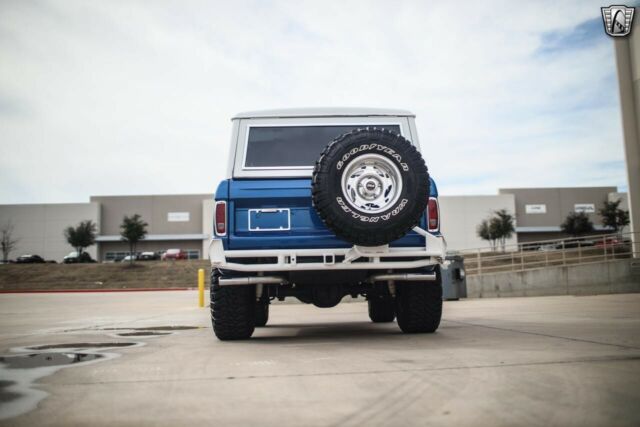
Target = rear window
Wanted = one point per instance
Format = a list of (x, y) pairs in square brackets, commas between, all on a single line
[(293, 146)]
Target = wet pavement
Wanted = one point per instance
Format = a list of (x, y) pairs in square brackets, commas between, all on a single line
[(38, 360), (151, 358)]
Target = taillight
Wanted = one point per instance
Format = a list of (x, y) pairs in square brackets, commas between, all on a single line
[(221, 218), (433, 215)]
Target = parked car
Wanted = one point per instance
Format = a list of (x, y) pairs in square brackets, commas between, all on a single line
[(73, 258), (610, 242), (574, 244), (130, 257), (30, 259), (549, 247), (149, 256), (363, 221), (174, 254), (616, 244)]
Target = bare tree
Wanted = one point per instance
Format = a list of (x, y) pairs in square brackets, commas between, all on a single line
[(8, 242)]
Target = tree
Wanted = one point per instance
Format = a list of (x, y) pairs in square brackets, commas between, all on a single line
[(497, 229), (504, 226), (133, 229), (486, 231), (614, 217), (81, 236), (577, 223), (8, 243)]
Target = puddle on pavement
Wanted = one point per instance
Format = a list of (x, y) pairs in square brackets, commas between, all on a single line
[(7, 396), (154, 328), (38, 360), (21, 371), (142, 334), (82, 345)]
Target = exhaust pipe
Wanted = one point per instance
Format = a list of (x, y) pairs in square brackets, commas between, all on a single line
[(277, 280), (257, 280), (406, 277)]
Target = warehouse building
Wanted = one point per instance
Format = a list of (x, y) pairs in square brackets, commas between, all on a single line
[(39, 228), (540, 211), (174, 221), (185, 221)]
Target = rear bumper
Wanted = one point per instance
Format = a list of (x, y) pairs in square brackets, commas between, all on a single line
[(355, 258)]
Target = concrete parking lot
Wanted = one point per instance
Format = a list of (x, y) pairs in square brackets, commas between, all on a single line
[(517, 361)]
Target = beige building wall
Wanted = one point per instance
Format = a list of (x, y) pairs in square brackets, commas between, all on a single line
[(628, 65), (623, 197), (165, 214), (174, 221), (460, 216), (558, 202), (40, 228)]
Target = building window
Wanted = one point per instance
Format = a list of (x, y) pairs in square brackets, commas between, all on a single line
[(535, 209), (193, 254), (584, 207)]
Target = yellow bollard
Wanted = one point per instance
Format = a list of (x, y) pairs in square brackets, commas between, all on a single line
[(201, 287)]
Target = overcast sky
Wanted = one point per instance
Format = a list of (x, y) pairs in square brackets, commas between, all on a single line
[(135, 97)]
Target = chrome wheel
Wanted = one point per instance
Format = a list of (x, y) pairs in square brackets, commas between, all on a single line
[(371, 183)]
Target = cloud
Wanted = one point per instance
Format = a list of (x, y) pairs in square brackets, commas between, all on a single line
[(129, 97)]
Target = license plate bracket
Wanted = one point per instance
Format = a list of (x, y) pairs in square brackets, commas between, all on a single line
[(273, 219)]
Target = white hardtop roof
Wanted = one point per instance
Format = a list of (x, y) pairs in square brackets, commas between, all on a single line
[(324, 112)]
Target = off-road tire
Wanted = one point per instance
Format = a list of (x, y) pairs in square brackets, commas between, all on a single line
[(419, 306), (232, 310), (357, 226), (261, 312), (382, 309)]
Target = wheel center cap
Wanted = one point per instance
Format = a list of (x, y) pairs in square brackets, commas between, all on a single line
[(370, 185)]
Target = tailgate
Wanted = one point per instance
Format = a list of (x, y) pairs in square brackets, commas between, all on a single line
[(278, 213)]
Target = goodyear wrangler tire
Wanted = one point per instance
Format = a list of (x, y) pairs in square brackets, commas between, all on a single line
[(370, 186), (232, 310)]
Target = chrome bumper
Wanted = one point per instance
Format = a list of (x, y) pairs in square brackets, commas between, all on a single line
[(377, 257)]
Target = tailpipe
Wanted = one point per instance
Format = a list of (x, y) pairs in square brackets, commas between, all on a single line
[(406, 277), (253, 280)]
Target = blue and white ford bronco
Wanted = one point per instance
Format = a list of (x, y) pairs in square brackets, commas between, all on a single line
[(323, 203)]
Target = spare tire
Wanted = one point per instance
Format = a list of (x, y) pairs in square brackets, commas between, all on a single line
[(370, 186)]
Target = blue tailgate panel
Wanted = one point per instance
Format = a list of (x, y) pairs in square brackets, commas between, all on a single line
[(266, 203)]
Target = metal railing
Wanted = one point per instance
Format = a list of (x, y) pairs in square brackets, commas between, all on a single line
[(554, 252)]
